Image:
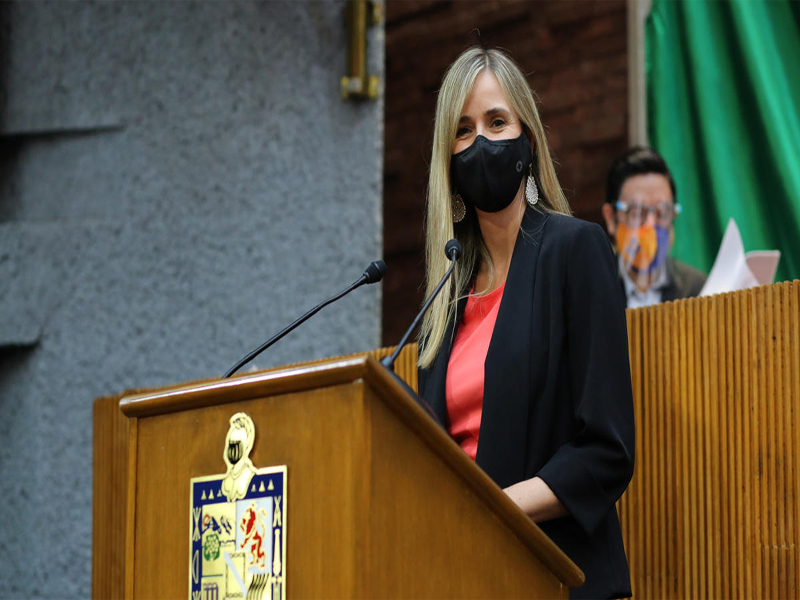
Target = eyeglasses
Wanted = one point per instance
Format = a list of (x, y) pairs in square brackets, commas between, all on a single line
[(634, 212)]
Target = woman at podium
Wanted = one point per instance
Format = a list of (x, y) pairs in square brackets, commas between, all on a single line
[(525, 356)]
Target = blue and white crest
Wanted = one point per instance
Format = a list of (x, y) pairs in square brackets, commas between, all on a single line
[(238, 525)]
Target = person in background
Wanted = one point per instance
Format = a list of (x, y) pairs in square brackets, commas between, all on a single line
[(524, 356), (639, 212)]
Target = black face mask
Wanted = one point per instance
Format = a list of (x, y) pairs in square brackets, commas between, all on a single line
[(488, 173)]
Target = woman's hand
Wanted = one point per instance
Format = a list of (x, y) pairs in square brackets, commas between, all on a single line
[(536, 499)]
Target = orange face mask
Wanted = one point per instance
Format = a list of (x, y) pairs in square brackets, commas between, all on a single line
[(639, 247)]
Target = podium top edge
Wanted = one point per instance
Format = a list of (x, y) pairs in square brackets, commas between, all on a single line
[(243, 387)]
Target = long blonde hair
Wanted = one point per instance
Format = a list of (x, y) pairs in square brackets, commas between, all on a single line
[(440, 228)]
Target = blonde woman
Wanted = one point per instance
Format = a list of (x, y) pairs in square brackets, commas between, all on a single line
[(524, 357)]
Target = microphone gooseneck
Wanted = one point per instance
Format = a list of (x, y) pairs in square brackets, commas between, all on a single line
[(372, 274), (453, 251)]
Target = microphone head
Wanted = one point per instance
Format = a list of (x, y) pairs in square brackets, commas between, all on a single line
[(375, 271), (452, 249)]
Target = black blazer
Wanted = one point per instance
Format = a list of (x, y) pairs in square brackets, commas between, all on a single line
[(557, 392)]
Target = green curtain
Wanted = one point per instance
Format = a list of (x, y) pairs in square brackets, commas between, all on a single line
[(723, 97)]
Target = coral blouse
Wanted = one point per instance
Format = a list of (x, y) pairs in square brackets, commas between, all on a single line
[(465, 371)]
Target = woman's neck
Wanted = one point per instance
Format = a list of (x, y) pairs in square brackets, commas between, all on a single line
[(499, 231)]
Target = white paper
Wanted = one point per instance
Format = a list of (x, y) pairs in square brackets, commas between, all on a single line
[(735, 270)]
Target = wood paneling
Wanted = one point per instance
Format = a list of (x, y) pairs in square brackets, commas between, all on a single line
[(712, 510)]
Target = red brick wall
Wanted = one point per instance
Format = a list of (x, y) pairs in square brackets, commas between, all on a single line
[(575, 52)]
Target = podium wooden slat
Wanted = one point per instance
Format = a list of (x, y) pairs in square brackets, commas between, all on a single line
[(714, 505)]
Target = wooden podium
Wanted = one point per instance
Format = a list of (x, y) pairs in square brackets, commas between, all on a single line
[(380, 501)]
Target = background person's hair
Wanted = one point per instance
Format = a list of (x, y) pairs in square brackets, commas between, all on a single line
[(639, 160), (456, 86)]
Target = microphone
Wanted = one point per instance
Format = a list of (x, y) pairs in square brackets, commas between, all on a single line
[(372, 274), (453, 251)]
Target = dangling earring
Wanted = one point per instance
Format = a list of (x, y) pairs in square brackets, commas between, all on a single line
[(531, 191), (459, 210)]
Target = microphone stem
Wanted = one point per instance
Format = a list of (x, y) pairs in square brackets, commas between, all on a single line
[(289, 328), (390, 363)]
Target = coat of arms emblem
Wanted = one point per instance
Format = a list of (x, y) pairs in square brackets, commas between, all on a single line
[(238, 526)]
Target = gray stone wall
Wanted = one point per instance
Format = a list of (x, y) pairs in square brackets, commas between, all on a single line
[(178, 180)]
